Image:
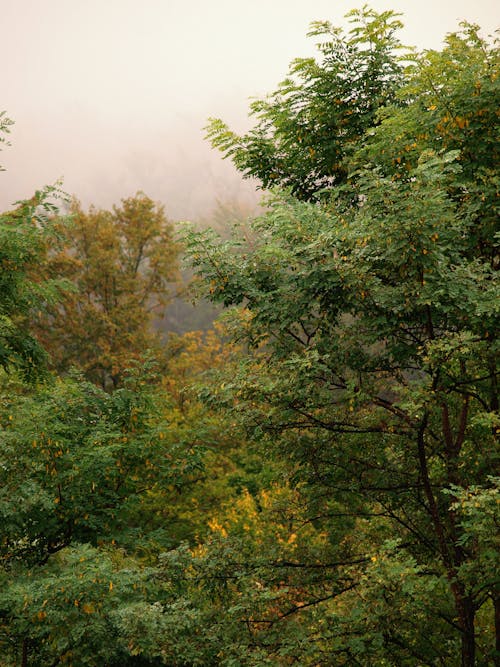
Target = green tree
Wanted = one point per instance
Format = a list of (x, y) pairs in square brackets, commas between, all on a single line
[(121, 263), (374, 319), (80, 469), (308, 127), (24, 233)]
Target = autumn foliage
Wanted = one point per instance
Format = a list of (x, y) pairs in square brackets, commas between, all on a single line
[(121, 264)]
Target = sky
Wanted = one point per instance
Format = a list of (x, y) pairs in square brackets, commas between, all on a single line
[(112, 95)]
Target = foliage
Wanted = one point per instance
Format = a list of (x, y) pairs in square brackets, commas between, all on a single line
[(449, 103), (78, 470), (121, 262), (75, 460), (373, 316), (65, 611), (24, 233), (184, 312), (94, 486), (78, 466), (213, 461), (308, 127)]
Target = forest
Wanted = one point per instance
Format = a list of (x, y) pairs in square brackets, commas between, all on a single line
[(306, 473)]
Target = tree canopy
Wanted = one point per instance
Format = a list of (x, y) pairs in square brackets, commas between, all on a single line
[(24, 234), (309, 126), (122, 264)]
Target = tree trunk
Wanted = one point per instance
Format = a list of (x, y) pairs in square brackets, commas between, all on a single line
[(496, 604), (451, 557), (466, 614), (24, 656)]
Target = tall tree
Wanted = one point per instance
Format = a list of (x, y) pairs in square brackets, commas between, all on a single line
[(375, 315)]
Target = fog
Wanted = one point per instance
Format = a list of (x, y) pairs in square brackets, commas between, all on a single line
[(112, 95)]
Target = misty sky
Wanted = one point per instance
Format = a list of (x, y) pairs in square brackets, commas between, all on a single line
[(113, 95)]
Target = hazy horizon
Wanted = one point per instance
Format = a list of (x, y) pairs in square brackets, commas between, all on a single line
[(112, 96)]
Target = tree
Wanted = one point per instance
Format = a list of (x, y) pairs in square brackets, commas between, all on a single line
[(25, 231), (308, 127), (373, 316), (121, 263), (79, 532)]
